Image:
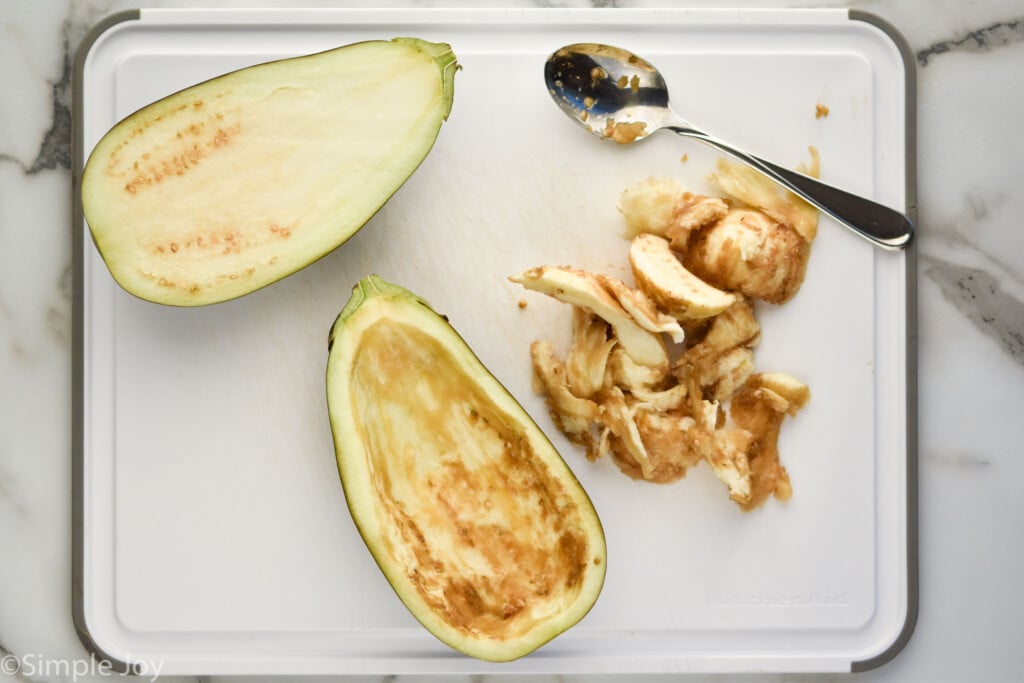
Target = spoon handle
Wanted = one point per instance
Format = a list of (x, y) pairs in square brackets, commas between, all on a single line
[(878, 224)]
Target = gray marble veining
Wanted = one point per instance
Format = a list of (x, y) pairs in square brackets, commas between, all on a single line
[(55, 151), (983, 39), (980, 297)]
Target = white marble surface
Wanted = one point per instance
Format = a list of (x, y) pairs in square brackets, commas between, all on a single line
[(971, 324)]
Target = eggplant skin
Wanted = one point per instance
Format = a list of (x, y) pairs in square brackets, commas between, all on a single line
[(474, 518), (227, 186)]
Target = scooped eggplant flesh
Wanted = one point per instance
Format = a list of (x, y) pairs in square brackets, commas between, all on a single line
[(476, 521), (234, 183)]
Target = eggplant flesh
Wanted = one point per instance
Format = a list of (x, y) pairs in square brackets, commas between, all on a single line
[(472, 515), (229, 185)]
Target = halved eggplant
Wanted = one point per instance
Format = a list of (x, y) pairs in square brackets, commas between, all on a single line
[(232, 184), (478, 524)]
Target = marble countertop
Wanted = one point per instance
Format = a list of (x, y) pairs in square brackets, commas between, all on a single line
[(971, 329)]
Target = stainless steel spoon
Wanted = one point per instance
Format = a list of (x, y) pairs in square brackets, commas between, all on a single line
[(619, 96)]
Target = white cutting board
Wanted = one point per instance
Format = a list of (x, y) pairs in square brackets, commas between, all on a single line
[(212, 531)]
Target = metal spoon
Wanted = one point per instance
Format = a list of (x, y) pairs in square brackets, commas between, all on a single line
[(616, 95)]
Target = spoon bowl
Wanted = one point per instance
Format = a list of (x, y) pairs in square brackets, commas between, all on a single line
[(606, 90), (619, 96)]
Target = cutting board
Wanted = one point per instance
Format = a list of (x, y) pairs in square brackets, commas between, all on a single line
[(211, 532)]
